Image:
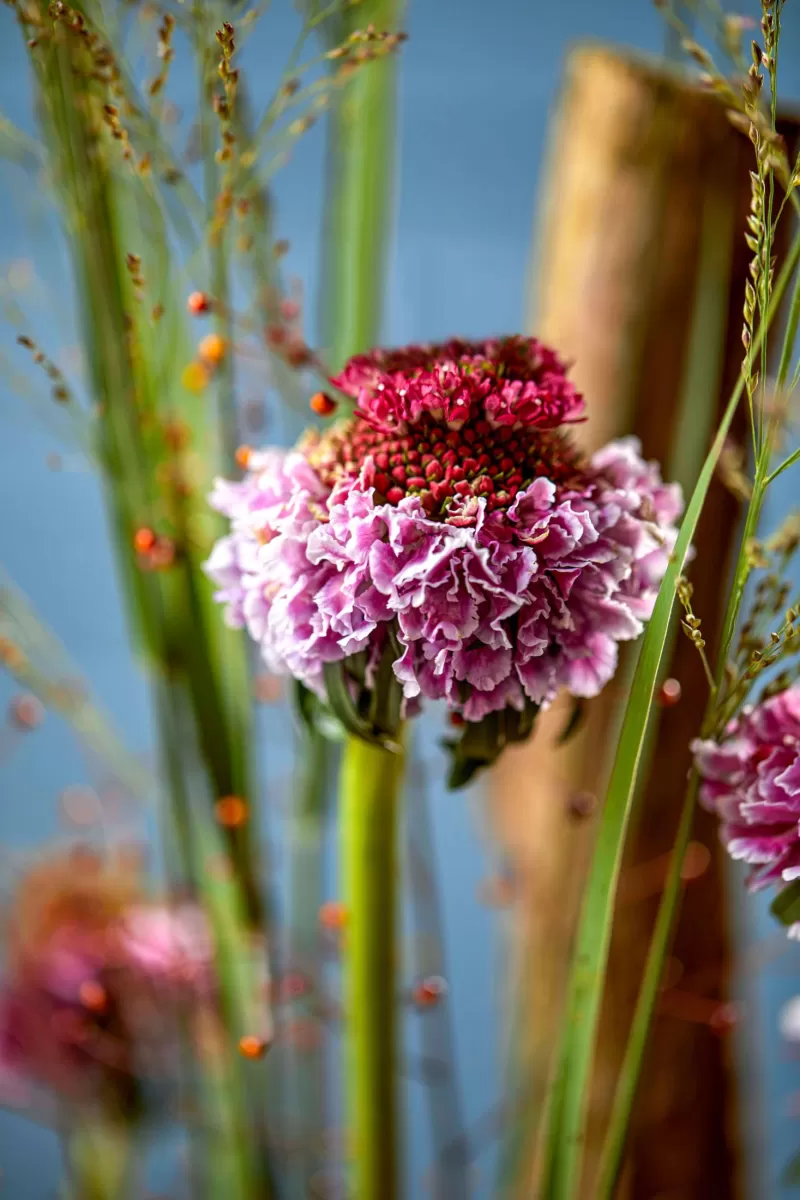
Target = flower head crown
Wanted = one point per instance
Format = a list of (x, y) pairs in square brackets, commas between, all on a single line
[(448, 541)]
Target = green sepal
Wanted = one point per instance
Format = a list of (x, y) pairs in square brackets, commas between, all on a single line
[(387, 694), (482, 742), (315, 715), (790, 1177), (519, 725), (574, 722), (305, 703), (786, 905), (345, 708)]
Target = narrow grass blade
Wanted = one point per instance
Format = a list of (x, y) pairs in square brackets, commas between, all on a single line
[(566, 1111)]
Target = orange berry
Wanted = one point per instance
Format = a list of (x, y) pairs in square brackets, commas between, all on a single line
[(322, 404), (194, 377), (251, 1046), (177, 435), (268, 688), (231, 811), (724, 1017), (10, 655), (333, 915), (696, 861), (302, 1035), (212, 349), (669, 693), (242, 456), (80, 805), (198, 303), (298, 354), (26, 712), (581, 805), (429, 991), (162, 555), (497, 891), (294, 985), (275, 335), (143, 540), (93, 995)]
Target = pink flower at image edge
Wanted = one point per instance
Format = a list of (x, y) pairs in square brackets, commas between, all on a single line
[(751, 779)]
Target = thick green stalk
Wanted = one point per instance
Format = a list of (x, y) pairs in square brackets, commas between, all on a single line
[(359, 195), (361, 155), (368, 820), (567, 1106)]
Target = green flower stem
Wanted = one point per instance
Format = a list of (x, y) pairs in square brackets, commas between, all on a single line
[(99, 1159), (368, 820)]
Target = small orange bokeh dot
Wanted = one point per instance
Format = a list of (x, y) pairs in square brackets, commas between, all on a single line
[(429, 991), (242, 456), (198, 303), (669, 693), (322, 404), (143, 540), (251, 1046), (93, 995), (194, 377), (333, 915), (212, 349), (231, 811)]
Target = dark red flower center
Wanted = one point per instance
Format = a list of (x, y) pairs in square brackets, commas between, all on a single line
[(441, 465)]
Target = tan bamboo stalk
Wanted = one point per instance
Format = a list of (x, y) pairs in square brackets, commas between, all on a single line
[(638, 279)]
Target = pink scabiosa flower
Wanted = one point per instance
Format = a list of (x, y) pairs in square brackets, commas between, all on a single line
[(751, 779), (447, 541)]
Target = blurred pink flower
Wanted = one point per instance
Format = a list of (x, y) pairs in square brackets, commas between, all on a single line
[(95, 983), (165, 943)]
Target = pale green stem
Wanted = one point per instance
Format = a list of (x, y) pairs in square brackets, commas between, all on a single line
[(789, 462), (569, 1095), (614, 1140), (99, 1156), (369, 815)]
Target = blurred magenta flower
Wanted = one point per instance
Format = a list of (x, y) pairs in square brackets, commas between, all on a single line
[(452, 519), (751, 779), (96, 980)]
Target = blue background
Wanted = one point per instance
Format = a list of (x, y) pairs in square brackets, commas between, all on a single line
[(477, 83)]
